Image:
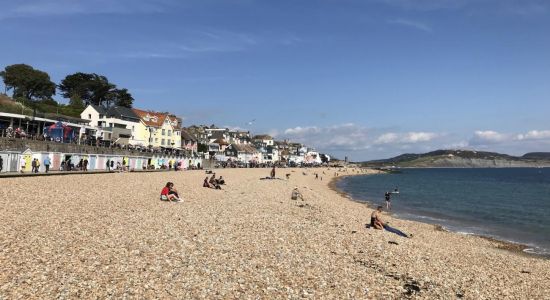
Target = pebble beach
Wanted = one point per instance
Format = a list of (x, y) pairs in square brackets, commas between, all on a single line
[(108, 236)]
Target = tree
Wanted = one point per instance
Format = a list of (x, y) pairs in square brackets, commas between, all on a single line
[(121, 98), (27, 82), (93, 89), (202, 148), (86, 88)]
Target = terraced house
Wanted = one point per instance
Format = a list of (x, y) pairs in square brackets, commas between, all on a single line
[(160, 130)]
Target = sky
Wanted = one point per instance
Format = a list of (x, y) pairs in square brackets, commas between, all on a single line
[(366, 79)]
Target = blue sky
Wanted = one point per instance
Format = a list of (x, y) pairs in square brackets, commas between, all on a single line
[(363, 78)]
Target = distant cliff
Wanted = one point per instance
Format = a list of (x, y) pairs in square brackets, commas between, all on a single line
[(464, 159)]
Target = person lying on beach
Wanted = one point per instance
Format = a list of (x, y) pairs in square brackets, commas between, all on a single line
[(377, 223), (169, 193), (296, 194)]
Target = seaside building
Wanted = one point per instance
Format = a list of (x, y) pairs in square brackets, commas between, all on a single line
[(116, 124), (189, 142), (161, 130), (242, 153), (263, 140), (239, 137)]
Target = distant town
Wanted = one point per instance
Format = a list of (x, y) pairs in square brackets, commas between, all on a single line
[(154, 133)]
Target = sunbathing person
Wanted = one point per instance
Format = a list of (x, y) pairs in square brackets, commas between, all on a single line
[(377, 223), (296, 194), (221, 180), (169, 193)]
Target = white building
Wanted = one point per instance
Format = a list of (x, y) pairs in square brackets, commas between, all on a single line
[(115, 124)]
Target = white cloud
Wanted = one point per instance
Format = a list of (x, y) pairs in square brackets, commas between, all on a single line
[(482, 137), (339, 137), (486, 137), (412, 24), (405, 138), (386, 138), (348, 138), (361, 143), (534, 135), (36, 8)]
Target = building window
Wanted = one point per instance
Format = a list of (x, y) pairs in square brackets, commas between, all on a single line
[(169, 132), (156, 140), (163, 132), (162, 142), (90, 116), (150, 140)]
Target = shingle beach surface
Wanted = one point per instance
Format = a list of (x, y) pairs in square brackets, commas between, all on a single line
[(108, 236)]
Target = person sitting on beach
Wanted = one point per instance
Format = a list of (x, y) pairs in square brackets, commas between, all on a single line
[(213, 179), (205, 183), (296, 194), (377, 223), (221, 180), (375, 220), (169, 193)]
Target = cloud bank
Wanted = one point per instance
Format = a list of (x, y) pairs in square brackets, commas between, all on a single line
[(363, 143)]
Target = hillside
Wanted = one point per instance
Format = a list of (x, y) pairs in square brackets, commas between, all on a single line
[(463, 159), (8, 105)]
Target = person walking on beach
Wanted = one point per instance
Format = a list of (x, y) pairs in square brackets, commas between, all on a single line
[(1, 163), (387, 197), (37, 165), (85, 165), (273, 172), (23, 165), (47, 163), (33, 165), (108, 165)]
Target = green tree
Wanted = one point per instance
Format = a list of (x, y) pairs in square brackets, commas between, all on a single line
[(123, 97), (93, 89), (28, 83), (85, 88), (202, 148)]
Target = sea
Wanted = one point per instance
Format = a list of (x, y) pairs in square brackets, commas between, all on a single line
[(509, 204)]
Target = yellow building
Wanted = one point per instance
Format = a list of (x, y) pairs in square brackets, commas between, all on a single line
[(160, 130)]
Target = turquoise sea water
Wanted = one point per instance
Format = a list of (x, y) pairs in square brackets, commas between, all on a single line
[(510, 204)]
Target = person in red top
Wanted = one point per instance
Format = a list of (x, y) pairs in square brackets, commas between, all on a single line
[(168, 193)]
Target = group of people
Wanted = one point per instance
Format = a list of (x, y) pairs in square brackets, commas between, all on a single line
[(35, 164), (169, 193), (213, 182)]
